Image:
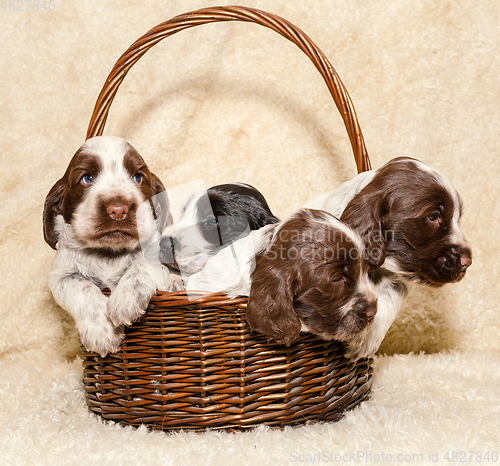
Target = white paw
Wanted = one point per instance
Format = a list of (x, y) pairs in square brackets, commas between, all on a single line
[(102, 337), (127, 304), (174, 283), (361, 347), (97, 332)]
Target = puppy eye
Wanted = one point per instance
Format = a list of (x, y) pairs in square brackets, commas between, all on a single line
[(87, 179), (137, 178), (434, 218), (339, 279), (212, 221)]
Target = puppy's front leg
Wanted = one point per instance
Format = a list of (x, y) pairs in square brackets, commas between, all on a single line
[(134, 290), (86, 303)]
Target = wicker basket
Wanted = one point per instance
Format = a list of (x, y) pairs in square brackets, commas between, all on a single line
[(194, 363)]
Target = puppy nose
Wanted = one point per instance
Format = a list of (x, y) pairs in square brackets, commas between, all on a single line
[(465, 262), (371, 309), (368, 307), (166, 242), (117, 211)]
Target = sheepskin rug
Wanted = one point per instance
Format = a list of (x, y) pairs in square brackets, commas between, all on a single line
[(237, 102)]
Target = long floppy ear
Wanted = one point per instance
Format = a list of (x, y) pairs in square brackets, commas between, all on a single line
[(161, 204), (365, 214), (270, 303), (52, 208)]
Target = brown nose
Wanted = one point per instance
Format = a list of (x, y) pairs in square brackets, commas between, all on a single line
[(117, 212), (371, 310), (465, 262)]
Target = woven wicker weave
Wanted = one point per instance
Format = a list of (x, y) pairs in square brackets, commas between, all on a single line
[(194, 363)]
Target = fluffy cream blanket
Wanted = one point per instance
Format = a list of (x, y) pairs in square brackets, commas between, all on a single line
[(237, 102)]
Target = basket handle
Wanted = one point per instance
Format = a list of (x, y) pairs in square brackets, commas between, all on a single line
[(233, 13)]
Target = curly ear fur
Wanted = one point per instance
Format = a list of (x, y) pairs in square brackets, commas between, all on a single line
[(51, 209), (365, 214), (270, 304)]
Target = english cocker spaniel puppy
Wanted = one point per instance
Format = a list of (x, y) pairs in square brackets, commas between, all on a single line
[(101, 216), (415, 210)]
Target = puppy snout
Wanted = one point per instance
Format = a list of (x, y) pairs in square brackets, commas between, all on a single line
[(371, 311), (455, 261), (367, 307), (117, 211), (450, 258), (166, 242)]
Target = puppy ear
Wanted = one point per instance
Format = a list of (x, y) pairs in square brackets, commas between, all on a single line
[(365, 215), (52, 208), (373, 238), (270, 303), (161, 204)]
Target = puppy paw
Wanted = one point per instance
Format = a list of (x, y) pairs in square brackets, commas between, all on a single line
[(127, 304), (361, 348), (97, 332), (103, 338), (174, 283)]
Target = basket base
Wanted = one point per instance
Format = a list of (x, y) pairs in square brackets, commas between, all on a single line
[(192, 365)]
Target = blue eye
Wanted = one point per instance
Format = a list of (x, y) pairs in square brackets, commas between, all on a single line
[(137, 177), (211, 221), (87, 179)]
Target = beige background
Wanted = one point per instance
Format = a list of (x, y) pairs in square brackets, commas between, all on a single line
[(237, 102)]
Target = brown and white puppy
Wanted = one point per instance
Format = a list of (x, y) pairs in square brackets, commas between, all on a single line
[(306, 274), (415, 210), (312, 277), (102, 215)]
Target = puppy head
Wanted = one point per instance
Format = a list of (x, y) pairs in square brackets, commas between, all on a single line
[(211, 220), (416, 211), (239, 207), (108, 196), (313, 276)]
